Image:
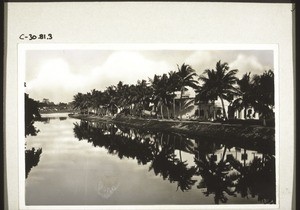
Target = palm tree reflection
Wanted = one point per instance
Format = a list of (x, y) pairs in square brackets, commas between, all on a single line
[(257, 178), (222, 178), (216, 177)]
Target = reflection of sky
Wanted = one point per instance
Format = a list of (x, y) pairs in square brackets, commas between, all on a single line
[(76, 173)]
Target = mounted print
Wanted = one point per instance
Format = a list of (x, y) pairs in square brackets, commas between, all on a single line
[(140, 125), (149, 105)]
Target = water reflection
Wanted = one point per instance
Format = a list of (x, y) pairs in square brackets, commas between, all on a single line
[(216, 178), (32, 158), (257, 178), (46, 119), (219, 170)]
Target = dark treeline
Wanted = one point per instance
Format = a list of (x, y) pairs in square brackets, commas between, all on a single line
[(159, 92), (32, 114), (220, 178)]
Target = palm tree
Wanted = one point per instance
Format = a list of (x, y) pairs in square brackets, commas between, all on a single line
[(246, 94), (144, 93), (111, 91), (185, 79), (80, 101), (161, 94), (264, 94), (218, 83), (173, 86)]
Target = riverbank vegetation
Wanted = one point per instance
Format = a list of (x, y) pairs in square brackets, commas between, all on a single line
[(32, 114), (148, 98)]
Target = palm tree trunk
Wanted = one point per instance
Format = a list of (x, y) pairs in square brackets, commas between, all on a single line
[(223, 107), (161, 139), (168, 111), (264, 121), (180, 104), (223, 156), (174, 110), (161, 111), (180, 149), (245, 157)]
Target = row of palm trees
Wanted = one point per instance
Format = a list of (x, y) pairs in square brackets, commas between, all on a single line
[(255, 91)]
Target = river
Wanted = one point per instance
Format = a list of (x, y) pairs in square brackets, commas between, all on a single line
[(88, 163)]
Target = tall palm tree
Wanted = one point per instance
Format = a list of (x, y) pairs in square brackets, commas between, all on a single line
[(245, 92), (173, 85), (112, 95), (144, 93), (186, 76), (264, 95), (218, 82), (161, 94)]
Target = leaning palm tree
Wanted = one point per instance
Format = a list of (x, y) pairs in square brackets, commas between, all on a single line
[(185, 79), (218, 83)]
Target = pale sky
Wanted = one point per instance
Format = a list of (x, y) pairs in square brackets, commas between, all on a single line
[(59, 74)]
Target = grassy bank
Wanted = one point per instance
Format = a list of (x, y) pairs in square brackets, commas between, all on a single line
[(251, 137)]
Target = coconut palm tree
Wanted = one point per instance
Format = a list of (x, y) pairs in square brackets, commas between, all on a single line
[(144, 94), (264, 95), (246, 93), (111, 92), (218, 83), (161, 94), (173, 85), (80, 101), (185, 79)]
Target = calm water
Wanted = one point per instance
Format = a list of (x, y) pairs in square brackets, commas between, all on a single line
[(82, 163)]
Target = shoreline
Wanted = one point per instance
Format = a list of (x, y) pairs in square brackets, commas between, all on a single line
[(246, 136)]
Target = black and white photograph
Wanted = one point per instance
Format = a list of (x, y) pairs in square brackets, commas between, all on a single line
[(149, 127), (149, 105)]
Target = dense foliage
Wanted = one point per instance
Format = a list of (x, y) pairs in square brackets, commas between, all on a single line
[(31, 114)]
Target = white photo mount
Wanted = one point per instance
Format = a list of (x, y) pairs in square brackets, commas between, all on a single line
[(156, 40)]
